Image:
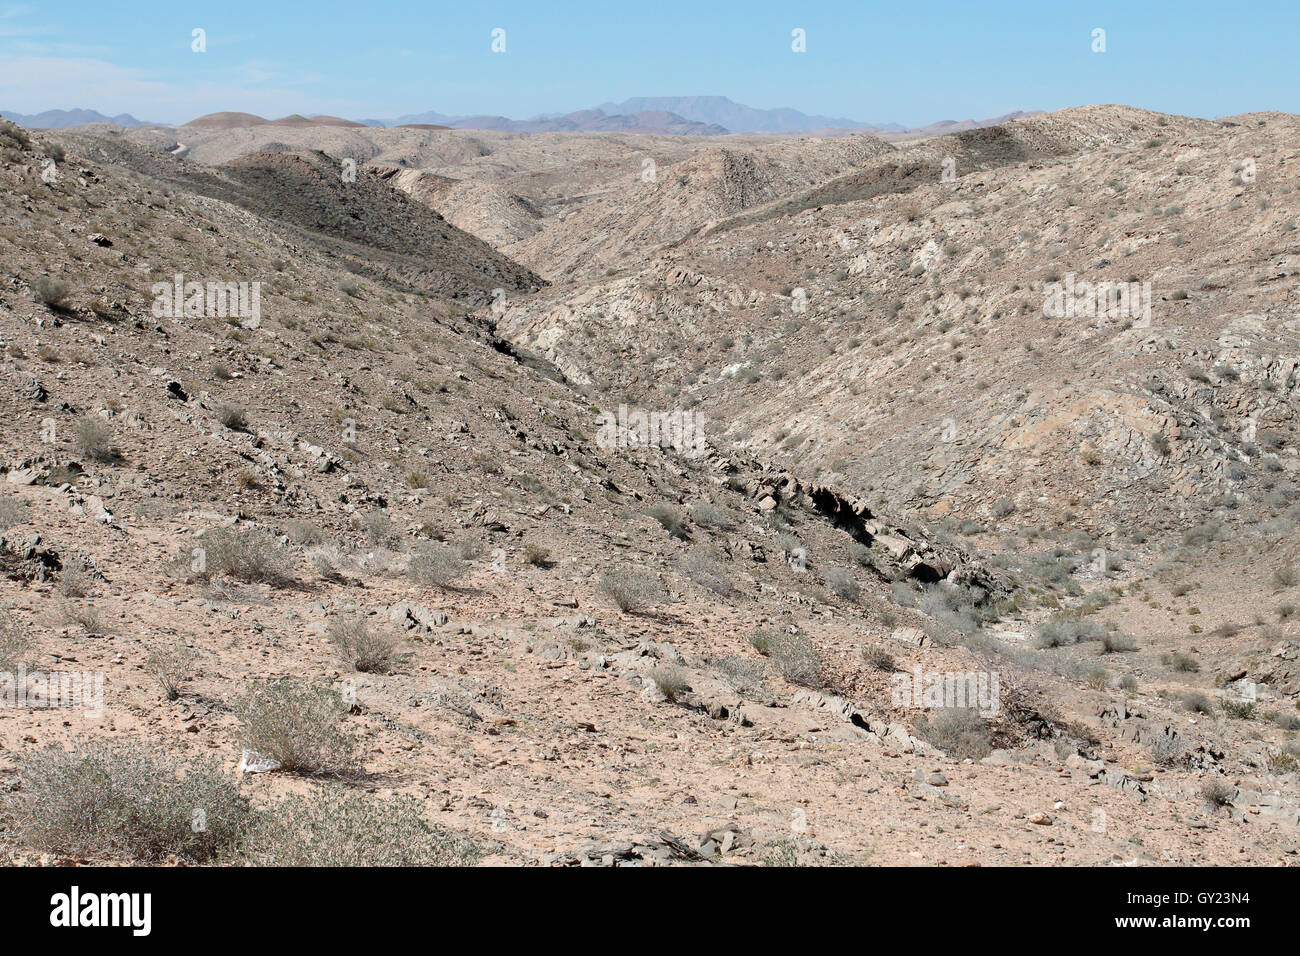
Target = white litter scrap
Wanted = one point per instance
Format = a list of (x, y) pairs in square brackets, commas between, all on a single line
[(253, 762)]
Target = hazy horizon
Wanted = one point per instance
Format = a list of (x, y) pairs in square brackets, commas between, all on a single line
[(913, 66)]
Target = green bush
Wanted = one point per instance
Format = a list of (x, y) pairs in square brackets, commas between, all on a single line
[(251, 555), (794, 655), (707, 572), (435, 565), (299, 726), (123, 799), (632, 591), (959, 732), (670, 520), (363, 648), (331, 828)]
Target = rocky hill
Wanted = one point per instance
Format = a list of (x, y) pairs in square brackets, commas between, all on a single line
[(683, 556)]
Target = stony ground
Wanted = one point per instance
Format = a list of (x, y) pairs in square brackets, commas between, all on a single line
[(410, 391)]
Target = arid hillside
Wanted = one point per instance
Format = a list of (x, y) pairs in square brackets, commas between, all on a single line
[(533, 503)]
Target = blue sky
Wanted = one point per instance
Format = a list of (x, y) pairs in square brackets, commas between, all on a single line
[(911, 62)]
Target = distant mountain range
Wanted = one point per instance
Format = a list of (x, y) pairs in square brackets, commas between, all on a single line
[(58, 119), (581, 121), (690, 115), (737, 117), (661, 115)]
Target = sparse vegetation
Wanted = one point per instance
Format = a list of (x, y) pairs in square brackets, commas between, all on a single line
[(632, 591), (707, 572), (250, 555), (434, 565), (15, 645), (123, 799), (363, 647), (959, 732), (670, 521), (50, 292), (297, 725), (333, 828), (171, 666), (794, 655), (94, 439), (12, 512), (671, 681)]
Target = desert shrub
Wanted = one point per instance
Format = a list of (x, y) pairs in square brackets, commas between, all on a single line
[(1284, 760), (860, 554), (671, 681), (1167, 749), (1284, 577), (251, 555), (707, 572), (841, 583), (1115, 643), (670, 520), (363, 648), (1240, 709), (469, 548), (435, 565), (76, 580), (123, 799), (1091, 674), (1285, 611), (171, 667), (1216, 793), (1059, 631), (953, 606), (632, 591), (51, 292), (233, 418), (1287, 721), (959, 732), (325, 560), (297, 725), (94, 439), (304, 533), (763, 639), (377, 527), (879, 658), (1184, 663), (794, 655), (86, 616), (12, 512), (536, 555), (1198, 703), (790, 545), (1202, 535), (710, 515), (333, 828), (901, 594), (15, 645), (742, 673)]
